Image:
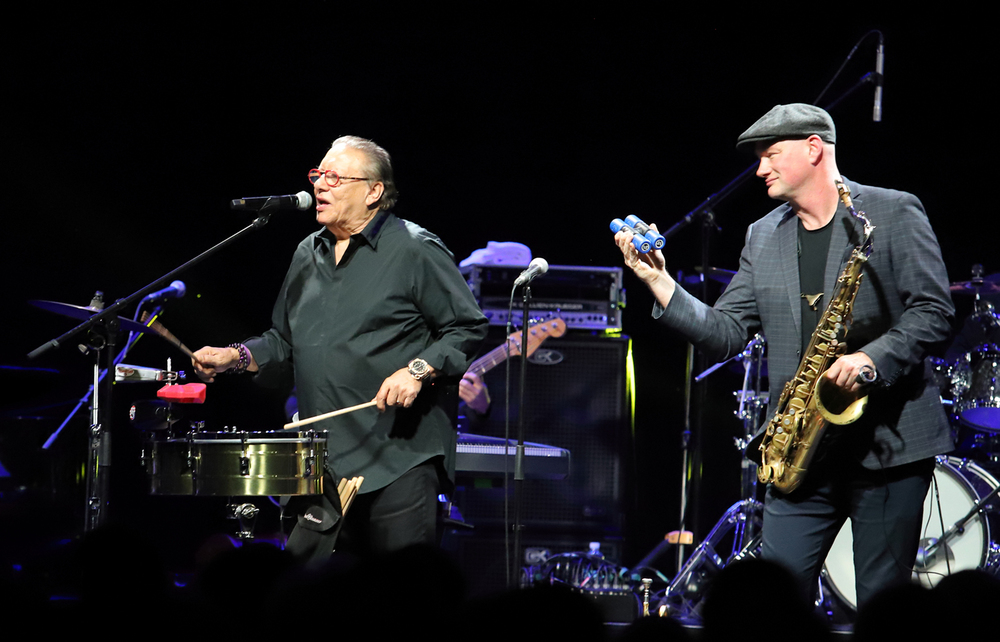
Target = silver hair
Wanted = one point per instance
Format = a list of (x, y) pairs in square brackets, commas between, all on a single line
[(378, 168)]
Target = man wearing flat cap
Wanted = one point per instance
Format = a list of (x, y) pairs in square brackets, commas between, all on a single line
[(877, 470)]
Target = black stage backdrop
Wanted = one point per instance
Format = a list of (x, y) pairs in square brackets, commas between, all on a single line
[(125, 139)]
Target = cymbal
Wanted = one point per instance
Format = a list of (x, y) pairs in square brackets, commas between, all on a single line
[(85, 312), (989, 285)]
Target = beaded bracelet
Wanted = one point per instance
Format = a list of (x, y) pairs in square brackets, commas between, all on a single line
[(244, 362)]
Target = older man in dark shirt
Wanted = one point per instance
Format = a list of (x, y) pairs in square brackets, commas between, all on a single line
[(372, 308)]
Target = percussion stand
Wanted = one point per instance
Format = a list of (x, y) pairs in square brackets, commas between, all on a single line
[(246, 514), (102, 329)]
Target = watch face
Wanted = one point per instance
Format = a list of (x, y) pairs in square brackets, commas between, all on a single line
[(418, 368)]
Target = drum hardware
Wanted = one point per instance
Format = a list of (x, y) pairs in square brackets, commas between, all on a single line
[(750, 356), (246, 513), (310, 461), (742, 522), (244, 460), (189, 461)]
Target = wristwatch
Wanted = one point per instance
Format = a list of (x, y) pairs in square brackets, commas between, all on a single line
[(418, 368), (866, 376)]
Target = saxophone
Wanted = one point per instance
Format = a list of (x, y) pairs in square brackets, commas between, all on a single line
[(809, 401)]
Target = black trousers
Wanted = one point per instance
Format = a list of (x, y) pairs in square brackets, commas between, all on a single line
[(886, 511), (386, 520)]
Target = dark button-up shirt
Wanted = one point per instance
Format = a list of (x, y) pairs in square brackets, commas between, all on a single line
[(395, 295)]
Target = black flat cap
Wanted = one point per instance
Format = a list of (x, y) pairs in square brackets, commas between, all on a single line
[(785, 122)]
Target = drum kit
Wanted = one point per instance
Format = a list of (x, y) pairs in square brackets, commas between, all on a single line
[(961, 525)]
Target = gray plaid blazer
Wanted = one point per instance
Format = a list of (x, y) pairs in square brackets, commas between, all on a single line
[(903, 309)]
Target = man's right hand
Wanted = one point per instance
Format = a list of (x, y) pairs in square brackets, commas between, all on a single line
[(209, 362), (650, 267)]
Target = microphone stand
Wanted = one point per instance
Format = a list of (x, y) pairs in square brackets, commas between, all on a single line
[(519, 449), (103, 328), (926, 556)]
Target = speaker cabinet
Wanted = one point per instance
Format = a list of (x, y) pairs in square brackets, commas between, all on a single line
[(577, 399)]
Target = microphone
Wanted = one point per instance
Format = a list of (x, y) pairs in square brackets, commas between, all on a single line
[(537, 267), (175, 290), (301, 201), (879, 66)]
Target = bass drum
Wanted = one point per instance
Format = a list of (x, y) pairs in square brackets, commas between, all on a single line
[(960, 484)]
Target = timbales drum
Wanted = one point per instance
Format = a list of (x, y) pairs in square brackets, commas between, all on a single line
[(236, 463)]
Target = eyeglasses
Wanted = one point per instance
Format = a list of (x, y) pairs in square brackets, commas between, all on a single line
[(333, 179)]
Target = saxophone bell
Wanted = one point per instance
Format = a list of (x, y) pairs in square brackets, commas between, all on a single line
[(838, 406)]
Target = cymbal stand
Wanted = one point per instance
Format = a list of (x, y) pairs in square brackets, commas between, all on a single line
[(751, 410), (742, 522), (132, 340)]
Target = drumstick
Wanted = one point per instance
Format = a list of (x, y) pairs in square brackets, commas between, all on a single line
[(343, 490), (354, 492), (158, 328), (343, 411), (350, 491)]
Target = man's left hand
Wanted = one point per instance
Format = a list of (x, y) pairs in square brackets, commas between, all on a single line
[(844, 371), (399, 389)]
